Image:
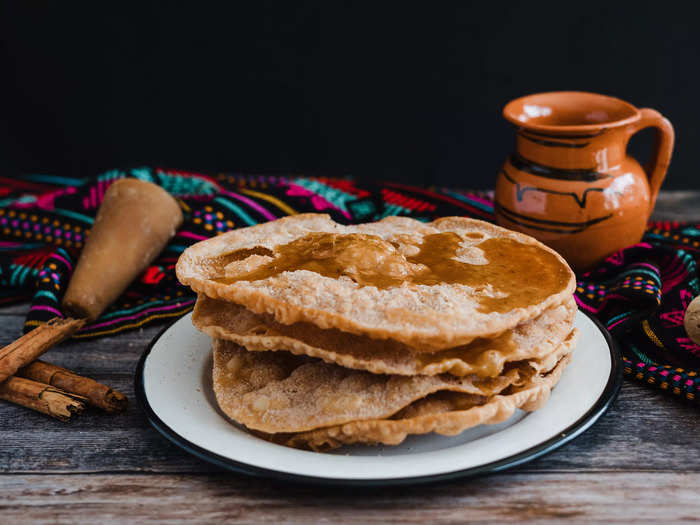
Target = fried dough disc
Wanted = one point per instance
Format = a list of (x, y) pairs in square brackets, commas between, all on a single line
[(436, 285), (446, 413), (484, 357), (277, 392), (280, 392)]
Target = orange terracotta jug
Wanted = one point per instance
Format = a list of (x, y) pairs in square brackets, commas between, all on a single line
[(570, 182)]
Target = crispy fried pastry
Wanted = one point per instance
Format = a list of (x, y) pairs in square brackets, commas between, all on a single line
[(484, 357), (327, 335), (446, 413), (431, 286), (278, 392)]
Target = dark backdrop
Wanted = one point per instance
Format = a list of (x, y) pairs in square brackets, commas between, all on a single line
[(405, 91)]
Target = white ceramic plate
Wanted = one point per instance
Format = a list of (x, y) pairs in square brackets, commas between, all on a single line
[(173, 385)]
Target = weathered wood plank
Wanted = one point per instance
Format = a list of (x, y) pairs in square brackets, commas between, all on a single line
[(13, 309), (635, 431), (642, 428), (108, 355), (600, 497), (678, 206)]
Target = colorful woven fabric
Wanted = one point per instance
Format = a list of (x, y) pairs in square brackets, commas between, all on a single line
[(640, 293)]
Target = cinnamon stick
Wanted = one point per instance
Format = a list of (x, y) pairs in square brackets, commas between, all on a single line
[(97, 394), (30, 346), (42, 398)]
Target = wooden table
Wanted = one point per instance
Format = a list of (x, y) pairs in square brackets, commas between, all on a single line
[(640, 462)]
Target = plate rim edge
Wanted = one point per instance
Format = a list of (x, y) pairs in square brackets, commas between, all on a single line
[(601, 405)]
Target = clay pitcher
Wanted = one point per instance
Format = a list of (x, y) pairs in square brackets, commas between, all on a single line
[(570, 182)]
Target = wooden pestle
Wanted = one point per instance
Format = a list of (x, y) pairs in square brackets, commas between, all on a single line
[(133, 225)]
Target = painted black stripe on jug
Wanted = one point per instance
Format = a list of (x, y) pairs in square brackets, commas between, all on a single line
[(553, 143), (585, 175)]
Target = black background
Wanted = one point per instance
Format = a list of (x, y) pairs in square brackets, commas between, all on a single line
[(403, 91)]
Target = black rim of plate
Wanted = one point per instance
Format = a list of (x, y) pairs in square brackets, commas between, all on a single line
[(581, 425)]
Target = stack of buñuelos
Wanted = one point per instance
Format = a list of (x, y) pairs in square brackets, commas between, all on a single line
[(326, 335)]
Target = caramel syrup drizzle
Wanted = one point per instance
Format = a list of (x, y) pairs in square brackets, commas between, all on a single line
[(526, 273)]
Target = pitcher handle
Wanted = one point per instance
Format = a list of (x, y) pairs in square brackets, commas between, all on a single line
[(663, 148)]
